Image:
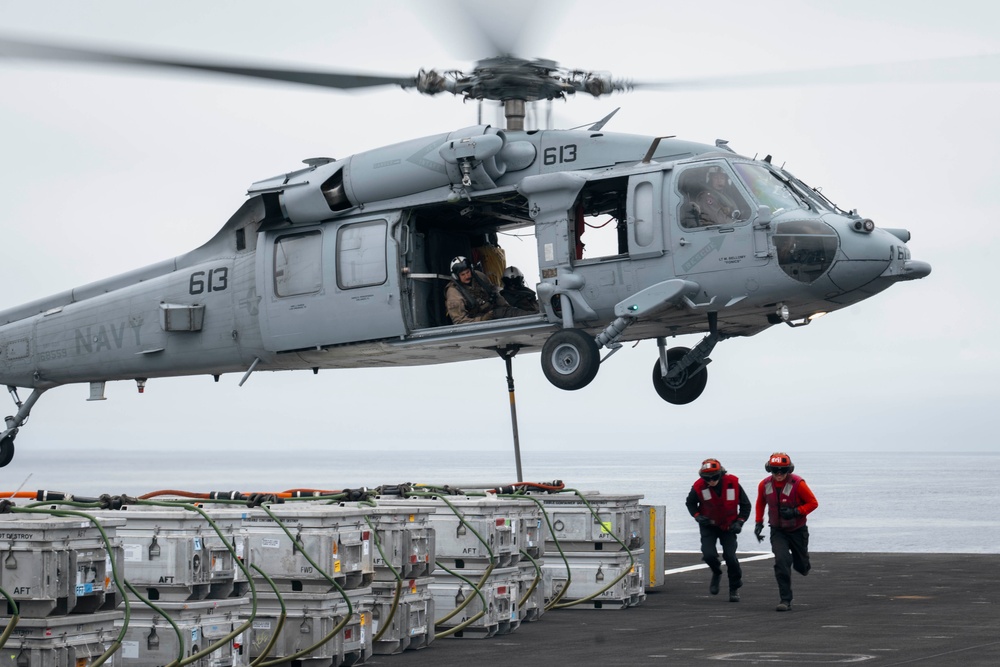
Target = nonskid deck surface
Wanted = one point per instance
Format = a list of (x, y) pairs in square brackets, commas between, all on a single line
[(853, 608)]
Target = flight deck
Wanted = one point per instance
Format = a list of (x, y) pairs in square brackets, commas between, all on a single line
[(853, 608)]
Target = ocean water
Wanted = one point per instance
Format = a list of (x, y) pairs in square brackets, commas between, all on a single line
[(868, 502)]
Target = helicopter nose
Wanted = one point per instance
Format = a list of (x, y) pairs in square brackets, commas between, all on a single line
[(913, 269), (875, 260), (901, 266), (863, 258)]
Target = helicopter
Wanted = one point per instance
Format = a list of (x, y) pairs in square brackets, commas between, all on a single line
[(343, 263)]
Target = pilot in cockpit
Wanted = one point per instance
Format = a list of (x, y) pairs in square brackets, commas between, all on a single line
[(710, 199), (715, 199), (719, 182)]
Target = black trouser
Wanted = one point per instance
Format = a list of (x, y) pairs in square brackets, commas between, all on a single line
[(501, 312), (791, 551), (711, 534)]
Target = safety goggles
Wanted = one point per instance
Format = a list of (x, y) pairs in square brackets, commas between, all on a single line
[(712, 478), (779, 471)]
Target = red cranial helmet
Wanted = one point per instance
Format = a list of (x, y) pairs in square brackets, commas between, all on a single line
[(711, 468), (779, 462)]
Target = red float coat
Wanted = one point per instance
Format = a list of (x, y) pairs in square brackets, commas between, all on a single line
[(793, 493), (724, 508)]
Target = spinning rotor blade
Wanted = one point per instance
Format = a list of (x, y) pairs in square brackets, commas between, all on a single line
[(11, 48), (492, 34), (477, 29), (938, 70), (507, 77), (499, 78)]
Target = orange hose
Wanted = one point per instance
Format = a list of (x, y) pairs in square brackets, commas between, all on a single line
[(19, 494)]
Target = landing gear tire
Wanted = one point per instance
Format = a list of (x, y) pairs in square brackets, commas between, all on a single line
[(570, 359), (6, 450), (683, 389)]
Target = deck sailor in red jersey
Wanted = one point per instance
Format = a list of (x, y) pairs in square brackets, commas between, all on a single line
[(787, 499), (721, 507)]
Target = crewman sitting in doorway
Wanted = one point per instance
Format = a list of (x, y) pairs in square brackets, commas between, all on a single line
[(469, 296), (516, 292)]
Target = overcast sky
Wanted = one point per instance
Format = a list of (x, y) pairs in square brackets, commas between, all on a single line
[(103, 170)]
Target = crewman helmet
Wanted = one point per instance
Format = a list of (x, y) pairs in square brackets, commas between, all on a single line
[(715, 171), (513, 276), (779, 462), (711, 469), (458, 265)]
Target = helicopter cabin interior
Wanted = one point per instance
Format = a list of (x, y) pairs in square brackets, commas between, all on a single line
[(431, 236)]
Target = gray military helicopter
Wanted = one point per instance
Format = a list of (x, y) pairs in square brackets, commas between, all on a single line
[(343, 263)]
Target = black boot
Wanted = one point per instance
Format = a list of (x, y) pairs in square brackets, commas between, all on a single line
[(713, 587)]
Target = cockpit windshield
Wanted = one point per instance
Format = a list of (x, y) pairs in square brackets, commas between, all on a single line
[(768, 189), (810, 193)]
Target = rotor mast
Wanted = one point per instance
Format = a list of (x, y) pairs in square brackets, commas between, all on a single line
[(513, 111)]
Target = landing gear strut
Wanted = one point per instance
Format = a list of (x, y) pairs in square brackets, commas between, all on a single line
[(683, 386), (680, 374), (15, 422)]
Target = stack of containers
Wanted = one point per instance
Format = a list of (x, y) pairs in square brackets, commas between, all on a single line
[(529, 538), (406, 547), (176, 559), (594, 557), (339, 543), (471, 533), (59, 572)]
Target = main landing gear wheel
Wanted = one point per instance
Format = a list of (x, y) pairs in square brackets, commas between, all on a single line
[(682, 389), (570, 359), (6, 450)]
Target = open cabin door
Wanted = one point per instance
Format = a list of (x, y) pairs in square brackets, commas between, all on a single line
[(330, 284), (619, 238)]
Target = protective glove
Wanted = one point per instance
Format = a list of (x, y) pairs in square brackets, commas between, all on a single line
[(703, 520), (757, 530), (736, 526), (789, 512)]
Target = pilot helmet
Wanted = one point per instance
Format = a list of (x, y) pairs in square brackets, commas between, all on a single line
[(513, 276), (779, 462), (712, 171), (458, 265), (711, 469)]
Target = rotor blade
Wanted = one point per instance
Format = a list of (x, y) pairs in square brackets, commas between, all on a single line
[(11, 48), (478, 29), (962, 69)]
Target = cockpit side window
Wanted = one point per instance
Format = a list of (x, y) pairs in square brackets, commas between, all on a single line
[(709, 197), (805, 248), (768, 189)]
